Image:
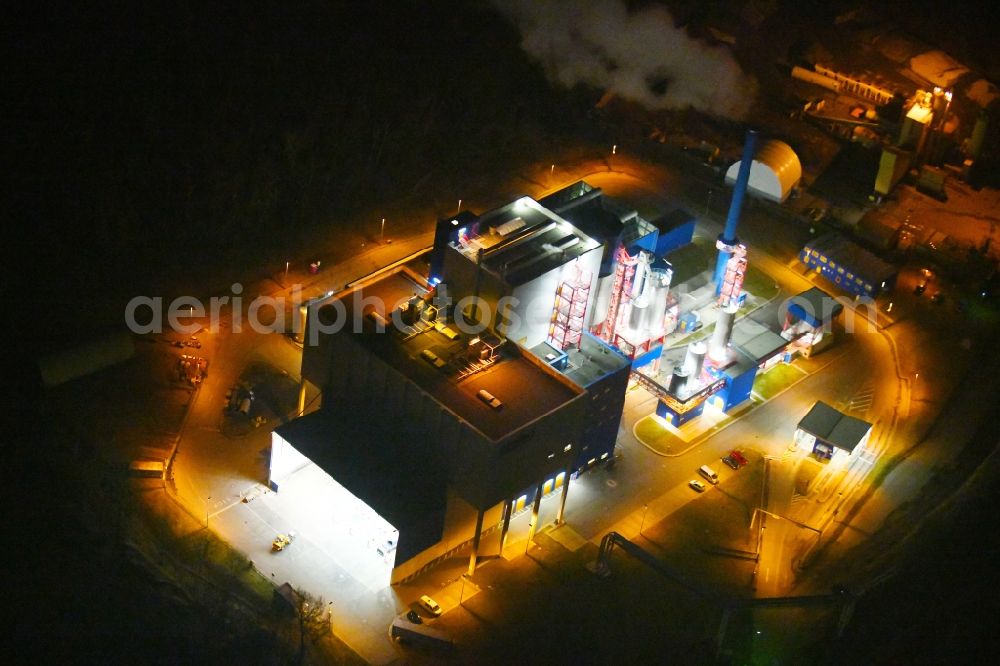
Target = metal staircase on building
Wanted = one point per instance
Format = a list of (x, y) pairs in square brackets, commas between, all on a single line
[(570, 309)]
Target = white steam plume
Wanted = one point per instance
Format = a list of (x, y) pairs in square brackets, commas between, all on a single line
[(633, 54)]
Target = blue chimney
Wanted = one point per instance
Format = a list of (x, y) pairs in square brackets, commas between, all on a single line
[(727, 241)]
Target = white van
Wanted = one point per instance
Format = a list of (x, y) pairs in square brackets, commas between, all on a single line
[(489, 399), (429, 605), (709, 474)]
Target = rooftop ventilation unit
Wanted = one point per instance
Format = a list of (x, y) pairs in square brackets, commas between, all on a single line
[(566, 242), (510, 226)]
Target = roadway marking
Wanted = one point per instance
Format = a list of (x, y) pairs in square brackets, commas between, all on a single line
[(867, 458), (862, 400)]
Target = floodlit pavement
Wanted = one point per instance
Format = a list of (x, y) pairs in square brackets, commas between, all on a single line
[(359, 616), (215, 470)]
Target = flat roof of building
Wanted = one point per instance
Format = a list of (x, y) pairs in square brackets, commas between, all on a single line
[(636, 231), (523, 240), (568, 195), (670, 221), (814, 306), (592, 361), (751, 343), (756, 341), (593, 217), (844, 251), (827, 424), (526, 386)]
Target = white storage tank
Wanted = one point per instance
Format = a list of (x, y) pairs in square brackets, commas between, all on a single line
[(659, 290), (694, 362)]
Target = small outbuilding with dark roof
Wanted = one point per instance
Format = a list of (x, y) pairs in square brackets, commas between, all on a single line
[(828, 432)]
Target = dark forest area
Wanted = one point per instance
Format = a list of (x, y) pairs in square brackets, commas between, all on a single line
[(155, 138)]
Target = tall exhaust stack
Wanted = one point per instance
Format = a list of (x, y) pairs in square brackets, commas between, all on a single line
[(728, 242)]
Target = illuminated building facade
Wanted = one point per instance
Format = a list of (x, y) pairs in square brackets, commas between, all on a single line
[(434, 431), (532, 275), (830, 435), (848, 265), (808, 323), (521, 270)]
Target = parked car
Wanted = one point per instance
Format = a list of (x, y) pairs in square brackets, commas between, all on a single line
[(696, 485), (282, 541), (731, 462), (937, 297), (489, 399), (919, 289), (386, 548), (738, 456), (414, 617), (430, 605)]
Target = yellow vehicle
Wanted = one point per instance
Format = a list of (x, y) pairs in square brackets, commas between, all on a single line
[(282, 541)]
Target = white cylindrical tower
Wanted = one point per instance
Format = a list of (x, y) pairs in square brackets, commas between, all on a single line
[(637, 315), (659, 289), (718, 348), (694, 362)]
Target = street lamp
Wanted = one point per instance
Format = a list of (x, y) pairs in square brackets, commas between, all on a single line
[(285, 279), (643, 522), (382, 232), (461, 595)]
